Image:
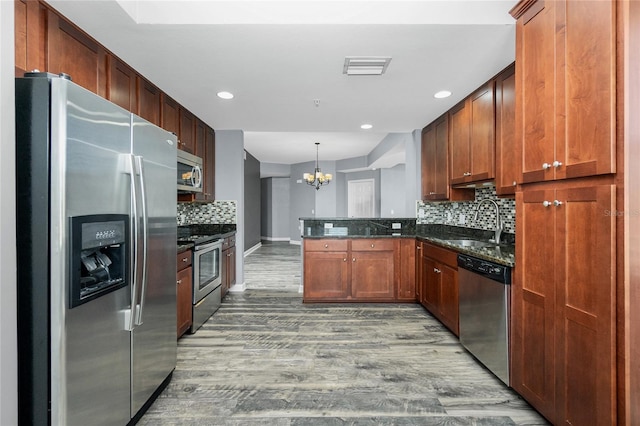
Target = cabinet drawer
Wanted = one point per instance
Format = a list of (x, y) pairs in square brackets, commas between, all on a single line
[(326, 245), (228, 242), (366, 244), (443, 255), (183, 260)]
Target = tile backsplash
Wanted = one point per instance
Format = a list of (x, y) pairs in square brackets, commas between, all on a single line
[(461, 213), (221, 212)]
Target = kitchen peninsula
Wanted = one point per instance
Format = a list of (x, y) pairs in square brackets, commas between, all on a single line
[(375, 260)]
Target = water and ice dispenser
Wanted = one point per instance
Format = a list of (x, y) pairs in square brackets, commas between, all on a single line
[(99, 261)]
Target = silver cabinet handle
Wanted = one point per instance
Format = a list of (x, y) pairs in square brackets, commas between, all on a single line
[(546, 203), (546, 166), (418, 248), (344, 260), (373, 245), (185, 260), (556, 164), (326, 245), (514, 183), (432, 193), (466, 174), (436, 270), (179, 282), (354, 259), (557, 203)]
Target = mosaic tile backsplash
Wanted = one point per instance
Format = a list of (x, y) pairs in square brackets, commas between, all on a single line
[(461, 213), (222, 212)]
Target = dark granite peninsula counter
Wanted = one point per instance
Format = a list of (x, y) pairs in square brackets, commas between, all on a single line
[(451, 237)]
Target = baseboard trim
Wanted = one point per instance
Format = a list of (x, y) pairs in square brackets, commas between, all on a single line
[(297, 243), (275, 238), (252, 249), (238, 288)]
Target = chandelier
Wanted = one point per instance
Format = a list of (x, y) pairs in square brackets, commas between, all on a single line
[(317, 178)]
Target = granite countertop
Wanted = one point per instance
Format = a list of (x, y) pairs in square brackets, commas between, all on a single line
[(184, 247), (441, 235)]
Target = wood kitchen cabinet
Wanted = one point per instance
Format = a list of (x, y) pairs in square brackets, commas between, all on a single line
[(472, 138), (170, 116), (187, 131), (149, 102), (435, 164), (565, 88), (507, 159), (439, 285), (372, 269), (122, 87), (70, 51), (228, 264), (205, 147), (358, 269), (184, 283), (563, 303), (29, 36)]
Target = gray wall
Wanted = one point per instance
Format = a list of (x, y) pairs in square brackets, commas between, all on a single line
[(274, 170), (302, 198), (392, 195), (8, 326), (251, 201), (413, 172), (275, 208), (230, 184)]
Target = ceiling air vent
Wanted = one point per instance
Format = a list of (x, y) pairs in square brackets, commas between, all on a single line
[(365, 65)]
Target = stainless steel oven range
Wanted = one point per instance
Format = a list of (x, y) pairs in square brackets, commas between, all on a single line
[(207, 278)]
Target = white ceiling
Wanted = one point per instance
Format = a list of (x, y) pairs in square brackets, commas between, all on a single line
[(277, 57)]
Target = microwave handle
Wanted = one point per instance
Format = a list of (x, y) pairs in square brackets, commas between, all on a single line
[(196, 177)]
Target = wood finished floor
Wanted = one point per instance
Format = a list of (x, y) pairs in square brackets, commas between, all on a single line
[(265, 358)]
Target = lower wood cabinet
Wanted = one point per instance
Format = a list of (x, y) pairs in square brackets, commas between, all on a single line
[(563, 302), (184, 284), (228, 264), (438, 285), (359, 269)]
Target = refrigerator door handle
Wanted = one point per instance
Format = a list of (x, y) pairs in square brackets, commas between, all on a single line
[(130, 314), (144, 239)]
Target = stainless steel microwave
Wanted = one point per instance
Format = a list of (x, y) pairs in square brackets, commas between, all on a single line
[(189, 172)]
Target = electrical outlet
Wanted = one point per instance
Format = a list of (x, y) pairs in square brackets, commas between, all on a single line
[(462, 219), (328, 225), (396, 225)]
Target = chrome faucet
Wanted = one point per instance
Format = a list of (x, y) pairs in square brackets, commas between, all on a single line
[(498, 230)]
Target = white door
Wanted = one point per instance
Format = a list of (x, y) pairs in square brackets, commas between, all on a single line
[(361, 198)]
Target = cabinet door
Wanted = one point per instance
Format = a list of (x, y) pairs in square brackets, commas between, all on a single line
[(585, 299), (535, 89), (122, 89), (170, 116), (29, 37), (232, 267), (418, 271), (187, 132), (431, 286), (372, 274), (482, 135), (459, 143), (449, 297), (407, 271), (72, 52), (428, 162), (149, 101), (224, 272), (184, 298), (587, 99), (507, 148), (208, 153), (326, 275), (533, 301)]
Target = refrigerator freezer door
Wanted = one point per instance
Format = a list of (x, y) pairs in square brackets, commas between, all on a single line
[(154, 340), (90, 347)]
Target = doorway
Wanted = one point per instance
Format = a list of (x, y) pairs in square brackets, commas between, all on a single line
[(361, 198)]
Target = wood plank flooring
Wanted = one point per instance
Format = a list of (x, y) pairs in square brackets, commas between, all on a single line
[(265, 358)]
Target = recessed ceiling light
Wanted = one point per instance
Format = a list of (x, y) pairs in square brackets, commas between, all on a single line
[(225, 95), (442, 94), (366, 126)]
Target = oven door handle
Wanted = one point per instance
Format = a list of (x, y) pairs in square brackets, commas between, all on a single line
[(145, 236)]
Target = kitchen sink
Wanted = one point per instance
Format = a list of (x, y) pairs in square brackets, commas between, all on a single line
[(472, 243)]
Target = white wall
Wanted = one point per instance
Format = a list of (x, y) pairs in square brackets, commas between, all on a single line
[(8, 326), (392, 196), (230, 186)]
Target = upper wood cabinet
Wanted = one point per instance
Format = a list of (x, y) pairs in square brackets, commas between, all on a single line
[(208, 153), (563, 303), (170, 115), (507, 148), (149, 101), (187, 131), (72, 52), (29, 36), (472, 137), (122, 87), (435, 164), (566, 88)]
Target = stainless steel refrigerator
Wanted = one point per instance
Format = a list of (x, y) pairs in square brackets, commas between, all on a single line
[(96, 232)]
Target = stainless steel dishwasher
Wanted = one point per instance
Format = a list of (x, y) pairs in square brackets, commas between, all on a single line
[(484, 312)]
